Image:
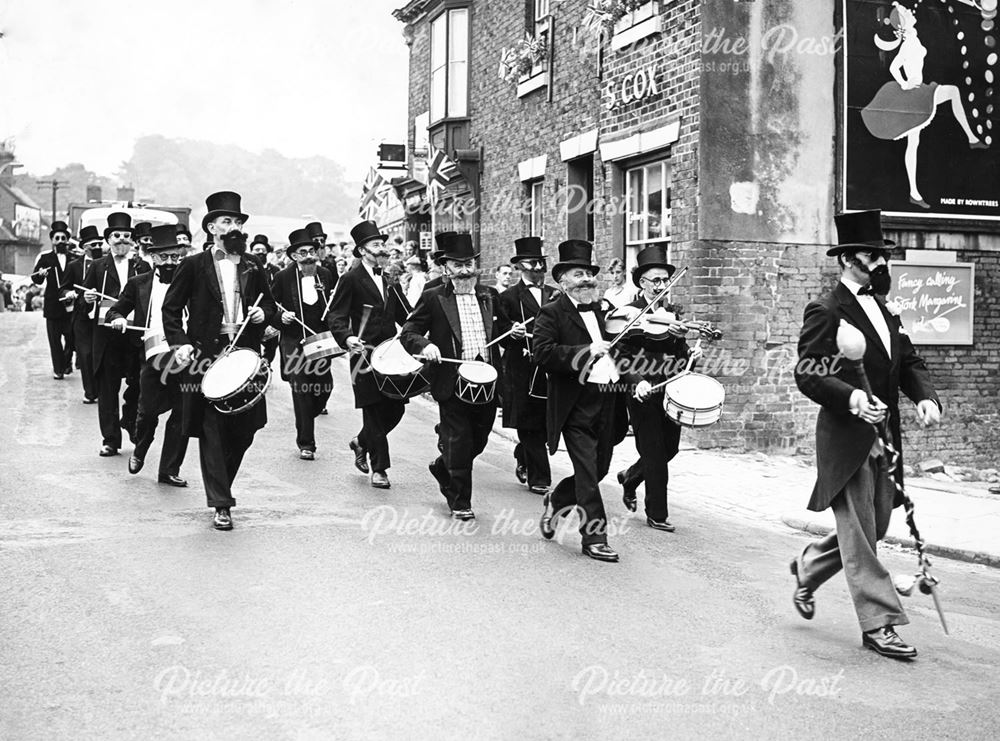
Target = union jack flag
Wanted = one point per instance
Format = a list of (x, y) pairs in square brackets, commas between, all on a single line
[(441, 170)]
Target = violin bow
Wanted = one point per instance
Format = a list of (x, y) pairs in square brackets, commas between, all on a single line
[(649, 306)]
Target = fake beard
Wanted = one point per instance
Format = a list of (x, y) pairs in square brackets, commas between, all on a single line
[(583, 290), (166, 272), (234, 242), (61, 248), (308, 266), (96, 252), (464, 283), (880, 280)]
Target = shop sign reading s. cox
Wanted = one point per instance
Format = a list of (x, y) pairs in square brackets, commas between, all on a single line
[(633, 87)]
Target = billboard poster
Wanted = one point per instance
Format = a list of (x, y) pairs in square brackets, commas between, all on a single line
[(27, 222), (921, 114), (934, 301)]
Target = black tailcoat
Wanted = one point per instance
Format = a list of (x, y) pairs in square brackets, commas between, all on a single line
[(519, 409)]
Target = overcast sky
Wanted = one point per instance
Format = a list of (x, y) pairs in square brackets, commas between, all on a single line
[(80, 81)]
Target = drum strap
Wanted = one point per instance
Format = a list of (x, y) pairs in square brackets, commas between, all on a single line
[(302, 306)]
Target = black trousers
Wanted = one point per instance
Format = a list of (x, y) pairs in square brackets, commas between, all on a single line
[(589, 436), (270, 347), (156, 398), (223, 443), (117, 367), (310, 394), (657, 439), (463, 434), (83, 343), (378, 420), (60, 334), (531, 453)]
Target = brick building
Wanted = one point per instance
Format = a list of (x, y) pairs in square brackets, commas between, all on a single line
[(717, 125)]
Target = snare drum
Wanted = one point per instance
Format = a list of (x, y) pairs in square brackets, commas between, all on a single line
[(236, 381), (476, 382), (694, 400), (398, 374), (321, 345), (155, 344)]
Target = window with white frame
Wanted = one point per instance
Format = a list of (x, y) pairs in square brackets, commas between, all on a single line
[(641, 13), (647, 198), (535, 209), (540, 29), (450, 64)]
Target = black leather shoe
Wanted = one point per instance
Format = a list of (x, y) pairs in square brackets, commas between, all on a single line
[(380, 480), (521, 472), (166, 478), (803, 596), (539, 489), (463, 514), (360, 456), (886, 642), (87, 400), (628, 496), (665, 526), (323, 411), (307, 455), (440, 475), (57, 376), (600, 552), (222, 519), (545, 524), (134, 464), (107, 451)]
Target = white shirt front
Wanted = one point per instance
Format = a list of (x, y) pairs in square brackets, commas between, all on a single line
[(535, 291), (603, 369), (379, 283), (589, 321), (121, 267), (227, 269), (156, 294), (873, 312), (307, 284)]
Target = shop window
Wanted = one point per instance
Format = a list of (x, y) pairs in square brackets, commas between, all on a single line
[(450, 64), (647, 198), (535, 208), (579, 199), (636, 24)]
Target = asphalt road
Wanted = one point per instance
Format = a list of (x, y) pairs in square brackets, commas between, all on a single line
[(334, 610)]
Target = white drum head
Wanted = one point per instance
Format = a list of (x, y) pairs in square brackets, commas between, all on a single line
[(229, 373), (474, 372), (696, 391), (391, 359)]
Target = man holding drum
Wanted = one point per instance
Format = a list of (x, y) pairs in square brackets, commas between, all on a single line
[(523, 381), (364, 313), (302, 293), (569, 343), (115, 357), (159, 382), (228, 300), (461, 318), (652, 361)]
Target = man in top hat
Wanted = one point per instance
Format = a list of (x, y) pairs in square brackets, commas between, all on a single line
[(50, 268), (93, 246), (457, 321), (523, 381), (440, 239), (261, 248), (159, 376), (116, 358), (302, 291), (184, 237), (650, 362), (852, 477), (224, 292), (570, 343), (325, 260), (142, 238), (364, 313)]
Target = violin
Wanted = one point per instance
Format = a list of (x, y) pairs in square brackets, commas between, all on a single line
[(656, 324)]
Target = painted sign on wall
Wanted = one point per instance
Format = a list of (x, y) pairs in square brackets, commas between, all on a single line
[(922, 114), (935, 301), (635, 86)]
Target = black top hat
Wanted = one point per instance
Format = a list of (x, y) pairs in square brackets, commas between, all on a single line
[(299, 238), (119, 221), (528, 248), (143, 229), (222, 203), (182, 229), (262, 239), (455, 246), (653, 256), (315, 229), (859, 230), (574, 253), (439, 240), (164, 238), (59, 226), (88, 234), (365, 232)]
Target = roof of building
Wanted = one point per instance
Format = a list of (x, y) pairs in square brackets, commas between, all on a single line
[(411, 10), (20, 196)]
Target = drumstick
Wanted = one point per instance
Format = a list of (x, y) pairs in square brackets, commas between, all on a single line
[(687, 369), (456, 361), (246, 321), (295, 316), (102, 295), (509, 331)]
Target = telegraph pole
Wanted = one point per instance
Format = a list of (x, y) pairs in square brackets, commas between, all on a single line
[(55, 185)]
